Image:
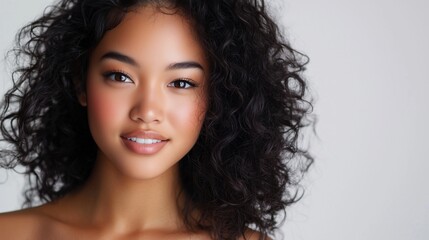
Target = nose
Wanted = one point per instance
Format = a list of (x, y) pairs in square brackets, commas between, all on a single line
[(148, 105)]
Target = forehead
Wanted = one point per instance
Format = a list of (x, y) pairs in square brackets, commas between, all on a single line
[(148, 32)]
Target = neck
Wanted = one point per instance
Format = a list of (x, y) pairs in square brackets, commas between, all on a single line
[(111, 199)]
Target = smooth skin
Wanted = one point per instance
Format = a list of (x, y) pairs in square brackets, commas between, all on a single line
[(146, 79)]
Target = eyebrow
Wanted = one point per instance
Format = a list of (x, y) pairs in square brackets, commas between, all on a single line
[(120, 57), (185, 65), (174, 66)]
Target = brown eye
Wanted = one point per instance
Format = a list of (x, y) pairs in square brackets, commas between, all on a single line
[(118, 77), (182, 83)]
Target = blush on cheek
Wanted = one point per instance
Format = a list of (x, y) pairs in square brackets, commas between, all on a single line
[(102, 110), (102, 107), (189, 115)]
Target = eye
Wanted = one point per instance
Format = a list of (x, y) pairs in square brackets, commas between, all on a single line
[(182, 83), (118, 76)]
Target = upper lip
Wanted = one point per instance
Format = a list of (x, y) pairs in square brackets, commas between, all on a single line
[(144, 134)]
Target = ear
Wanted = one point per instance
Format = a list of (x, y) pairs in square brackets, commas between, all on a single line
[(81, 97), (80, 92)]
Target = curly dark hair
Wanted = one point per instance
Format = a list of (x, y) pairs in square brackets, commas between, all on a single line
[(244, 169)]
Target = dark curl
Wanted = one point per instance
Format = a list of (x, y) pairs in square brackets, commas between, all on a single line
[(246, 165)]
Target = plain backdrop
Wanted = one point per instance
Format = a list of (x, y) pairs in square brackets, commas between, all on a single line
[(369, 76)]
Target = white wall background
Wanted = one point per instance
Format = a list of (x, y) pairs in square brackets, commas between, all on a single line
[(369, 72)]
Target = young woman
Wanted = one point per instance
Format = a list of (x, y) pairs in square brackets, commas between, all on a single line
[(154, 120)]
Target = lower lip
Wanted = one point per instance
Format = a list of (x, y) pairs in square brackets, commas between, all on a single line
[(144, 149)]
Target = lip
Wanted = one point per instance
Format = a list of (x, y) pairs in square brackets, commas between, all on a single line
[(144, 134), (144, 149)]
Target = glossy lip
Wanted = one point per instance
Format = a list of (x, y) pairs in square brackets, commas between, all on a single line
[(144, 134), (144, 149)]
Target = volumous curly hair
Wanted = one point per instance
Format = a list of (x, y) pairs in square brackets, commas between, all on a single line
[(245, 167)]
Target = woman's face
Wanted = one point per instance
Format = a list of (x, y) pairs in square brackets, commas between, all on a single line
[(145, 93)]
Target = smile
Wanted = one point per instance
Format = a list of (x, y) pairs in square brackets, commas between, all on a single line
[(144, 140), (144, 146)]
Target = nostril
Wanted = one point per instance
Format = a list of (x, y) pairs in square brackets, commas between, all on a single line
[(145, 115)]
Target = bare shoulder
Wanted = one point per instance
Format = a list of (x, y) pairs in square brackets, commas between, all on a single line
[(251, 234), (22, 224)]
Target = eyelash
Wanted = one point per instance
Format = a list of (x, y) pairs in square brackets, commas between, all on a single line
[(110, 74), (184, 83)]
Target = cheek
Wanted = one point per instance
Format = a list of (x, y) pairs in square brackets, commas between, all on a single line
[(187, 115), (103, 108)]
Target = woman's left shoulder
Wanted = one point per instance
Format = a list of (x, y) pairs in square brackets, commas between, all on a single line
[(251, 234), (11, 224)]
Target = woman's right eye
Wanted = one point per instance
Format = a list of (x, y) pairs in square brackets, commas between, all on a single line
[(118, 77)]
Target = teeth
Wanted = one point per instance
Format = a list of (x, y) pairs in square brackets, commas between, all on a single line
[(144, 140)]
